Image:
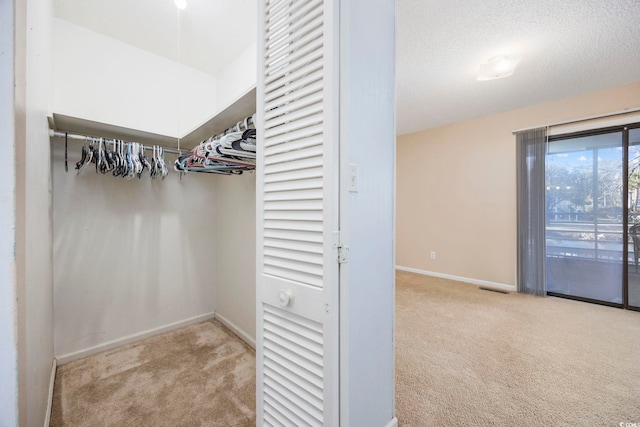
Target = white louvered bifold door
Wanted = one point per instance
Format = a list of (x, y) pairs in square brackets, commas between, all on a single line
[(297, 214)]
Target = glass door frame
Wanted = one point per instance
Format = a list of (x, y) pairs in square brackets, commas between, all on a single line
[(625, 141), (625, 212)]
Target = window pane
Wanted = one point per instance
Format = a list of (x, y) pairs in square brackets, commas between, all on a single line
[(584, 217), (634, 217)]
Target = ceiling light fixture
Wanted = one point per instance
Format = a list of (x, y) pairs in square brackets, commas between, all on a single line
[(181, 4), (497, 67)]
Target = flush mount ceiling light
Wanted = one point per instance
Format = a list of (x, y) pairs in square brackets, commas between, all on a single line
[(497, 67), (181, 4)]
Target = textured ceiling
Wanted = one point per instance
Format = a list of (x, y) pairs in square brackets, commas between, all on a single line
[(568, 47), (206, 35)]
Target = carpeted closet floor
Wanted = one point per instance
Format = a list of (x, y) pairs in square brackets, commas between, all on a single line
[(199, 375), (467, 357)]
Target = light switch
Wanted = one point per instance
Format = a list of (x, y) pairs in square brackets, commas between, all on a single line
[(353, 178)]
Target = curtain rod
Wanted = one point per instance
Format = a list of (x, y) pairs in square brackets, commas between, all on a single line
[(85, 137), (583, 119)]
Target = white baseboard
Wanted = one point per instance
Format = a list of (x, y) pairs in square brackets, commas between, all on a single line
[(392, 423), (484, 283), (70, 357), (237, 330), (52, 380)]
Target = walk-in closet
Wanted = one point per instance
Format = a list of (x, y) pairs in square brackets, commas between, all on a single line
[(153, 159), (204, 213)]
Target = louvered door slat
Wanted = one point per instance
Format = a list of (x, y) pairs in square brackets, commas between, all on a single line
[(293, 155), (283, 377), (302, 236), (290, 59), (289, 19), (290, 27), (279, 413), (301, 93), (296, 274), (296, 129), (294, 362), (300, 184), (303, 380), (277, 127), (294, 270), (294, 215), (296, 198), (312, 383), (300, 205), (275, 7), (293, 175), (292, 107), (277, 403), (291, 244), (298, 165), (293, 255), (294, 135), (301, 327), (306, 78), (278, 11), (294, 194), (286, 44), (310, 414)]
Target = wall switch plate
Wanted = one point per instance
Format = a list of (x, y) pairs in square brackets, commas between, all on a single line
[(433, 254), (353, 178)]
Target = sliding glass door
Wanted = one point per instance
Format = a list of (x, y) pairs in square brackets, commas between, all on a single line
[(585, 218), (633, 249)]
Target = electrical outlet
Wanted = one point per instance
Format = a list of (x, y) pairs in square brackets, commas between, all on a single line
[(433, 254)]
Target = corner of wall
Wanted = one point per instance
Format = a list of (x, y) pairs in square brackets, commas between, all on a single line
[(238, 77), (235, 254)]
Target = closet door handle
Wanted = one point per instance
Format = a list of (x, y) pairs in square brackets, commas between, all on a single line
[(285, 296)]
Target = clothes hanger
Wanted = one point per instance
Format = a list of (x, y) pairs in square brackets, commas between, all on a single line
[(86, 156)]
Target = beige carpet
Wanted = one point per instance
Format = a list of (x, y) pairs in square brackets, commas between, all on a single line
[(467, 357), (199, 375)]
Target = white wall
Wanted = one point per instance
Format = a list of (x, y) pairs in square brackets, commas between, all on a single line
[(8, 305), (367, 291), (129, 256), (102, 79), (33, 211), (236, 256), (34, 220), (238, 77)]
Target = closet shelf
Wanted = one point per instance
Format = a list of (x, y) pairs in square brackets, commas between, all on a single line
[(242, 107), (70, 124)]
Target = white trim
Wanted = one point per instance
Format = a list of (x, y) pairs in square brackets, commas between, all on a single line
[(478, 282), (594, 124), (70, 357), (52, 380), (392, 423), (582, 119), (237, 330)]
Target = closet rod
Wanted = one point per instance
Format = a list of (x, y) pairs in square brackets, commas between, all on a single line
[(583, 119), (86, 137)]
